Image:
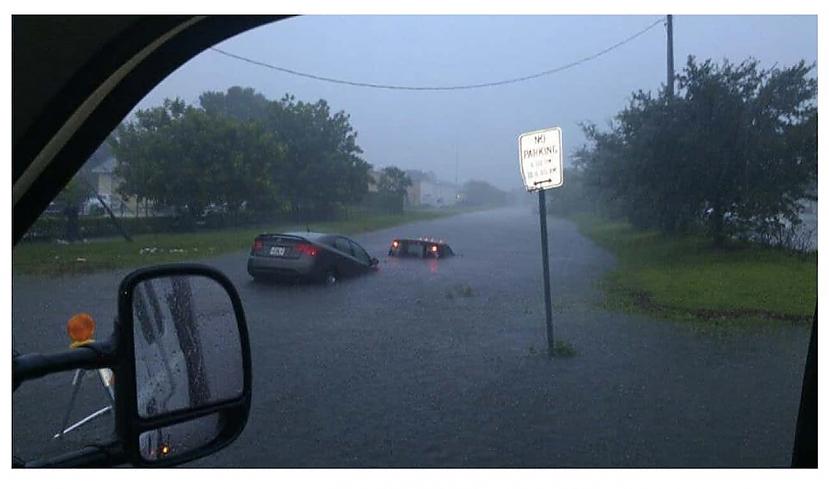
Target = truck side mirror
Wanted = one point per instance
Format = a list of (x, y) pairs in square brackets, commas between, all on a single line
[(183, 377)]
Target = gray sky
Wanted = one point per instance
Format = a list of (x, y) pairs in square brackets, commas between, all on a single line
[(424, 130)]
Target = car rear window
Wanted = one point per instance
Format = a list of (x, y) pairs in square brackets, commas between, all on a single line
[(413, 248)]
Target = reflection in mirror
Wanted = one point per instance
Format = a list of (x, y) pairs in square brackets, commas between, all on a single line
[(180, 439), (187, 347)]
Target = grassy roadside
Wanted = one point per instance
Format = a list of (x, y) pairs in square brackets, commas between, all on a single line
[(685, 278), (151, 249)]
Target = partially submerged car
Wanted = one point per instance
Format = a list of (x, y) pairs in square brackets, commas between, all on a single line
[(420, 248), (307, 255)]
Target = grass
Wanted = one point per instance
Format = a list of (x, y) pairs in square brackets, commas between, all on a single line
[(151, 249), (561, 349), (685, 277)]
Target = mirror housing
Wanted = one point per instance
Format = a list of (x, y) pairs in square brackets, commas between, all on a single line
[(223, 419)]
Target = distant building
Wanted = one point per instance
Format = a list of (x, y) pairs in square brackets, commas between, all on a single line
[(435, 194), (373, 180), (106, 184), (104, 175)]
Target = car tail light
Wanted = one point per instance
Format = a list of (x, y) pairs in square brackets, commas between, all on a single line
[(434, 249), (257, 245), (306, 249), (395, 244)]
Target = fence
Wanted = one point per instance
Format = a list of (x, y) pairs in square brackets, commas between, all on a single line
[(50, 227)]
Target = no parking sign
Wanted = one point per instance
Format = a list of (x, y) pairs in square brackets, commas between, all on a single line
[(541, 159)]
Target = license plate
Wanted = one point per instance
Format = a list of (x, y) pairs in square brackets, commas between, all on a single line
[(278, 250)]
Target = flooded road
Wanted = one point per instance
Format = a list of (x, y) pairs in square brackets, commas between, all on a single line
[(442, 363)]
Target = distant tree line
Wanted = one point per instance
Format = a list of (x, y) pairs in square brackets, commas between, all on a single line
[(734, 152), (480, 193)]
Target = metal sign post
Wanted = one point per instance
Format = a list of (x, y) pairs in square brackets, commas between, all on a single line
[(545, 259), (540, 155)]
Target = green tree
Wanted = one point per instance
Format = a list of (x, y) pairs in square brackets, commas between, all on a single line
[(241, 103), (71, 199), (322, 167), (186, 158), (240, 149), (393, 181), (735, 149)]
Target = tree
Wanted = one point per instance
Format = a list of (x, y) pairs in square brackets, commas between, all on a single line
[(245, 104), (735, 149), (393, 181), (322, 166), (72, 198), (186, 158), (241, 149)]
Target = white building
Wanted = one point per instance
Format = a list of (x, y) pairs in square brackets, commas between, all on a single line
[(435, 194)]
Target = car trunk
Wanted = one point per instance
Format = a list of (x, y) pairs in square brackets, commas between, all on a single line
[(277, 246)]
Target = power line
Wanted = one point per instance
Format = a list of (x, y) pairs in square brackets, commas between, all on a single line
[(441, 88)]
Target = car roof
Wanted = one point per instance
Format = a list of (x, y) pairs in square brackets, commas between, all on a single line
[(423, 240), (308, 235)]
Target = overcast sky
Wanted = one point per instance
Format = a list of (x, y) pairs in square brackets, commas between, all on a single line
[(425, 130)]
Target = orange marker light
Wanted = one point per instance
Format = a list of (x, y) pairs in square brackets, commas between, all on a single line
[(80, 329), (165, 449)]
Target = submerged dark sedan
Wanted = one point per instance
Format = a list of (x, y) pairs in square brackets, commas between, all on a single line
[(420, 248), (306, 255)]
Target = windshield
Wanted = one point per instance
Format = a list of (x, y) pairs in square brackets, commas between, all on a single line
[(679, 202)]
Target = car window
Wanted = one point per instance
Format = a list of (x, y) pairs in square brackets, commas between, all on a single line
[(414, 248), (682, 239), (359, 253), (343, 245)]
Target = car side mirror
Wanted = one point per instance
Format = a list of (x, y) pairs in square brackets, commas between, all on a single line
[(183, 379)]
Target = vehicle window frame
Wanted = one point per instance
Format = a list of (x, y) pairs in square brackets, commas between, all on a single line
[(18, 220), (356, 249), (348, 252)]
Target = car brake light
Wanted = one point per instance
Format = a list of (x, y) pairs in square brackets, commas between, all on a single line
[(434, 249), (395, 244), (257, 245), (306, 249)]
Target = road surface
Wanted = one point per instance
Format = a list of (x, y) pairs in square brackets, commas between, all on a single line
[(404, 368)]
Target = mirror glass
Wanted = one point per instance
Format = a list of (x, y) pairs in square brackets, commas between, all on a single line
[(179, 439), (188, 351)]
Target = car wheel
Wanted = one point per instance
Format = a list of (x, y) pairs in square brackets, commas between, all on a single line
[(330, 277)]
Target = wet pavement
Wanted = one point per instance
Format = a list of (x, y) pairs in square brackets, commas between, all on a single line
[(442, 364)]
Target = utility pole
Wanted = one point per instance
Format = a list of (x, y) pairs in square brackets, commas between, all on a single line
[(670, 85)]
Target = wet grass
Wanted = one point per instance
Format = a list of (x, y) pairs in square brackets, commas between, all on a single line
[(561, 349), (151, 249), (686, 278)]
